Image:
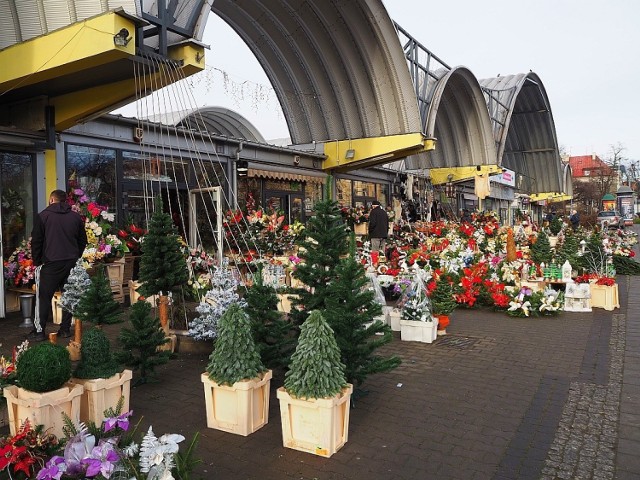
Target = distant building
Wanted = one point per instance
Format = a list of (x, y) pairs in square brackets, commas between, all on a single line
[(585, 167)]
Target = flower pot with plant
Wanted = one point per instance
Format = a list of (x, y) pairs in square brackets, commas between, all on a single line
[(43, 373), (236, 383), (314, 402), (555, 227), (443, 303), (101, 377), (417, 324), (604, 293)]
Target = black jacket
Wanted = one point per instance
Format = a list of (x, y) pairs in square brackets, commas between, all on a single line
[(378, 223), (58, 234)]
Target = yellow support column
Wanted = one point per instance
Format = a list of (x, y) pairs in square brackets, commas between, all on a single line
[(50, 172)]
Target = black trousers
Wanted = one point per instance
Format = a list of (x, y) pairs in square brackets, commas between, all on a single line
[(53, 276)]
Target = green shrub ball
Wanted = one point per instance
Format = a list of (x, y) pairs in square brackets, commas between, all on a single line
[(43, 367)]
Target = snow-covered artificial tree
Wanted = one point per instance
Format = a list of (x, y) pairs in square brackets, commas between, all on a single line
[(77, 284), (223, 293)]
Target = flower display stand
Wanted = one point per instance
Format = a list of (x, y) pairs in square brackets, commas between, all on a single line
[(361, 228), (241, 408), (103, 393), (577, 297), (115, 274), (415, 331), (604, 296), (319, 426), (134, 296), (43, 408)]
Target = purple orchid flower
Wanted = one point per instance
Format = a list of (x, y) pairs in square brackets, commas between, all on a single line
[(121, 421), (53, 469)]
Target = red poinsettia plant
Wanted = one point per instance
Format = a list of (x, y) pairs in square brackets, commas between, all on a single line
[(584, 278), (608, 281), (26, 451), (132, 235)]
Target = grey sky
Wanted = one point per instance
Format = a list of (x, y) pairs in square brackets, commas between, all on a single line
[(586, 52)]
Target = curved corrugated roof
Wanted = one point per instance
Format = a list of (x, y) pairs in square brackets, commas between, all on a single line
[(220, 121), (567, 184), (524, 130), (457, 117), (333, 65)]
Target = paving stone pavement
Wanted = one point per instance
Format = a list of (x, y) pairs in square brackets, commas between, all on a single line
[(498, 398)]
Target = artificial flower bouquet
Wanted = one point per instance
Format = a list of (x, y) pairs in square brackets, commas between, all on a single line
[(19, 270), (133, 236), (608, 281)]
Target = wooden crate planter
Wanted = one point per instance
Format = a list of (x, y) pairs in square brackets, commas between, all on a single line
[(284, 302), (241, 408), (43, 408), (319, 426), (604, 296), (115, 274), (413, 331), (103, 393)]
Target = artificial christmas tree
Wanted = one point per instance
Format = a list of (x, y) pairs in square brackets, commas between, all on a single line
[(236, 384), (96, 304), (223, 293), (314, 402), (416, 322), (325, 243), (77, 284), (541, 249), (270, 330), (162, 265), (350, 312), (141, 344), (442, 302)]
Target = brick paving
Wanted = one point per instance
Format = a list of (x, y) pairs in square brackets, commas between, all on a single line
[(498, 398)]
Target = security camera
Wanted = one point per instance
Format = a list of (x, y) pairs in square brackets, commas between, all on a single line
[(296, 160)]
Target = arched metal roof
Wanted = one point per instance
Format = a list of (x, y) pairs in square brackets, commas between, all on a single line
[(333, 65), (524, 130), (457, 117), (220, 121), (567, 183)]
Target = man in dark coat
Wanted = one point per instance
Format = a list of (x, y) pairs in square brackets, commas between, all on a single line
[(378, 226), (57, 242), (574, 219)]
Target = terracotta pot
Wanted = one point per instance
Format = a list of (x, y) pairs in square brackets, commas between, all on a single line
[(443, 321)]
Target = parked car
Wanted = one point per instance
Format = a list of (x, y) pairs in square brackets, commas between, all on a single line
[(610, 219)]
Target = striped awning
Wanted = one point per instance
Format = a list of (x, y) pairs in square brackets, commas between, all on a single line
[(292, 177)]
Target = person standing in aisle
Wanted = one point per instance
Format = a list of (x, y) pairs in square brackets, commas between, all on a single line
[(58, 239), (378, 226)]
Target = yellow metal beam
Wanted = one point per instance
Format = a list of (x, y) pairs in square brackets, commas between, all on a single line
[(550, 196), (456, 174), (71, 49), (82, 105), (345, 155)]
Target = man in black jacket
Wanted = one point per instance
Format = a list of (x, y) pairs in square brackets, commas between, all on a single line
[(57, 241), (378, 226)]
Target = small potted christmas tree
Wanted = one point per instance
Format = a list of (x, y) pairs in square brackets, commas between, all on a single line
[(142, 343), (236, 383), (555, 227), (43, 373), (77, 284), (443, 302), (162, 265), (103, 380), (315, 399)]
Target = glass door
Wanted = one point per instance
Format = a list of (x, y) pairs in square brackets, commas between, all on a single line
[(291, 204), (205, 220)]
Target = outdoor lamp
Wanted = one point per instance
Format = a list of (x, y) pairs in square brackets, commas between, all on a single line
[(242, 167), (121, 39)]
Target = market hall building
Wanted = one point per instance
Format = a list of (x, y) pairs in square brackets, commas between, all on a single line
[(372, 107)]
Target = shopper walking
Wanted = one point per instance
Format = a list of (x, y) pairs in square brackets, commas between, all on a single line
[(57, 241), (378, 226)]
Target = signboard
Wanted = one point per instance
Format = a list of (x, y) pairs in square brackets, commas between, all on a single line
[(508, 177)]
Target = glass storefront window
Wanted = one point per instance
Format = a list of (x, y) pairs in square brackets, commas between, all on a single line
[(364, 189), (209, 174), (16, 175), (383, 194), (343, 188), (142, 166), (93, 169), (313, 194)]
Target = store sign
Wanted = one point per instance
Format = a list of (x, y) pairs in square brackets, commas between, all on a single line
[(508, 177)]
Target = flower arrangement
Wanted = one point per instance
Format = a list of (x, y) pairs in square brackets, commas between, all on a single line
[(109, 451), (26, 451), (19, 270), (354, 216), (133, 236)]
